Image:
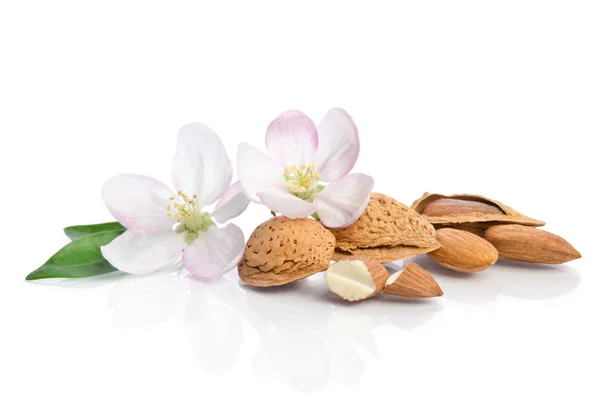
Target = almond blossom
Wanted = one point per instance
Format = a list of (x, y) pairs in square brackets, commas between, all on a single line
[(165, 225), (301, 157)]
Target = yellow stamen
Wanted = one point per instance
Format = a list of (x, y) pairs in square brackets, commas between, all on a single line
[(302, 181)]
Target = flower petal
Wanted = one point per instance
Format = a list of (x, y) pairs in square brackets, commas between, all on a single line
[(292, 138), (258, 172), (142, 252), (344, 200), (216, 252), (231, 204), (138, 201), (201, 165), (286, 204), (338, 145)]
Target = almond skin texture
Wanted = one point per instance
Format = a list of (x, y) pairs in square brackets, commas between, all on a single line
[(356, 278), (386, 231), (412, 282), (463, 251), (282, 250), (468, 212), (449, 206), (528, 244)]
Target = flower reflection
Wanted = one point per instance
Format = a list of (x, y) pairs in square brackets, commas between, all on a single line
[(306, 336)]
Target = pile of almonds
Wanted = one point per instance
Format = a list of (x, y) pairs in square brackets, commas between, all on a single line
[(465, 233)]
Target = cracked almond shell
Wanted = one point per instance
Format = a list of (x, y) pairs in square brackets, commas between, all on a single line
[(282, 250), (469, 212), (387, 231)]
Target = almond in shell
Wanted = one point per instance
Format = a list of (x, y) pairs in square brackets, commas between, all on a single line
[(469, 212), (282, 250), (386, 231)]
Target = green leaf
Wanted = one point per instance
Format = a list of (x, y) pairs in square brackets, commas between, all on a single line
[(75, 232), (79, 258)]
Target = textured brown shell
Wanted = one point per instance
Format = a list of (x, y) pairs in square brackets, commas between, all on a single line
[(386, 231), (282, 250), (474, 222)]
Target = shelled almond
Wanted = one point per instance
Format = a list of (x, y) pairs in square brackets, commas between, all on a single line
[(463, 251), (528, 244), (412, 282), (356, 278)]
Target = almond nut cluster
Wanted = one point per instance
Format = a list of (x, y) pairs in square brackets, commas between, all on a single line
[(474, 231), (465, 233)]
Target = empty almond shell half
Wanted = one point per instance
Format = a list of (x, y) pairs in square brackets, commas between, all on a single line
[(469, 212), (387, 231)]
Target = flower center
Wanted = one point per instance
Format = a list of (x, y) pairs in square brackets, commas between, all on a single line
[(302, 181), (189, 216)]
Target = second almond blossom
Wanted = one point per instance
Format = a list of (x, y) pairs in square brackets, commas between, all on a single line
[(301, 158)]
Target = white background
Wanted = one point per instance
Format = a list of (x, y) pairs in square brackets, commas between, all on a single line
[(499, 98)]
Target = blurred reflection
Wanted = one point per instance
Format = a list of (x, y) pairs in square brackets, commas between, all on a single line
[(143, 300), (530, 281), (213, 328), (520, 280), (306, 335)]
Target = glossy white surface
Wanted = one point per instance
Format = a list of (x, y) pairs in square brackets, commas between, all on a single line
[(496, 98)]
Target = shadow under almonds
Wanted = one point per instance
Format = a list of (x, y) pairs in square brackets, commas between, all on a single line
[(533, 281), (213, 327), (511, 278), (292, 328), (467, 288)]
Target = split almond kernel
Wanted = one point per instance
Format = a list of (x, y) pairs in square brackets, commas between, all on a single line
[(463, 251), (412, 282), (356, 278)]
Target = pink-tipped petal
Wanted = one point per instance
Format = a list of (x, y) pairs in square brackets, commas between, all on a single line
[(344, 200), (201, 165), (233, 202), (139, 252), (138, 201), (292, 138), (287, 204), (338, 145), (216, 252), (258, 172)]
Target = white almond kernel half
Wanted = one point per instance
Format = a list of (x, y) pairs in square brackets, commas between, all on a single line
[(356, 278)]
